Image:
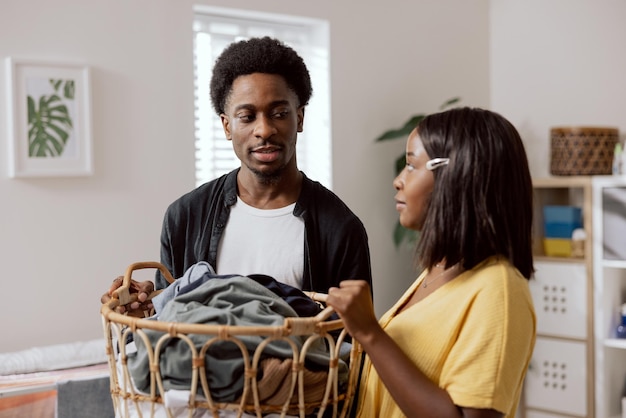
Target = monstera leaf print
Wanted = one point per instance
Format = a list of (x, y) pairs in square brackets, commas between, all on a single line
[(68, 87), (49, 120)]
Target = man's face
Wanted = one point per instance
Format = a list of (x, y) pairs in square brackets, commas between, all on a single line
[(262, 118)]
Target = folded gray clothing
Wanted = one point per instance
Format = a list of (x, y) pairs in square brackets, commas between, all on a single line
[(202, 271), (238, 301)]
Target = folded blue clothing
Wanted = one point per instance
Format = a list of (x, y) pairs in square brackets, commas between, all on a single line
[(193, 273)]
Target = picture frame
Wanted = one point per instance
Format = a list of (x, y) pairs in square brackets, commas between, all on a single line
[(49, 119)]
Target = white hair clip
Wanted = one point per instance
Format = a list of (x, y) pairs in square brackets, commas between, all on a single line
[(436, 163)]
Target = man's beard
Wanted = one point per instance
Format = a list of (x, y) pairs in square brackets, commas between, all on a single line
[(268, 178)]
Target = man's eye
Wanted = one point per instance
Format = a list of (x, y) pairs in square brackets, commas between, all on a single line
[(410, 167), (280, 115), (245, 118)]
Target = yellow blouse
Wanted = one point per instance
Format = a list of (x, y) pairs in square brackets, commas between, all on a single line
[(474, 337)]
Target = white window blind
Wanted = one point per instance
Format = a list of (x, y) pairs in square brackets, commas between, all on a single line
[(214, 29)]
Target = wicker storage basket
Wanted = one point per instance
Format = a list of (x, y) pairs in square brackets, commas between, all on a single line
[(334, 398), (582, 150)]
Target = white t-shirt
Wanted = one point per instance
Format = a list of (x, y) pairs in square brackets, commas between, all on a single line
[(263, 241)]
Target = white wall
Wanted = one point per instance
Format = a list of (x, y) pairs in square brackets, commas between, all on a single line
[(558, 63), (62, 241), (539, 63)]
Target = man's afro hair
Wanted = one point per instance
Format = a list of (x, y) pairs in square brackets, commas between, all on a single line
[(259, 55)]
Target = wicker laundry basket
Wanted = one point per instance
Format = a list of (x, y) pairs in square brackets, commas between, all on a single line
[(335, 396)]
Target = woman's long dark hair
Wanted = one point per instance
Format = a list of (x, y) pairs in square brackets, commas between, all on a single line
[(482, 201)]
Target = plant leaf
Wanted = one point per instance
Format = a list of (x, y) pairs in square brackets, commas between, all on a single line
[(402, 234), (49, 126), (400, 163), (404, 131), (449, 103), (56, 84), (410, 124), (398, 234), (69, 89)]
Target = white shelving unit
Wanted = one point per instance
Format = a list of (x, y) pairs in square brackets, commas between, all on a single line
[(559, 382), (609, 272), (579, 365)]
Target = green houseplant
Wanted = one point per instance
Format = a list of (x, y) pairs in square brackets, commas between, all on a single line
[(400, 233)]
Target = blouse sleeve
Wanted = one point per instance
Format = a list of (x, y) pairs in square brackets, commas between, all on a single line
[(489, 359)]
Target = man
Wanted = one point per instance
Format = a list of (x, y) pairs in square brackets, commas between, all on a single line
[(265, 217)]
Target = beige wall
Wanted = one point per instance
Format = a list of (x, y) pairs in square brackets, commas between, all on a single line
[(62, 241), (558, 63)]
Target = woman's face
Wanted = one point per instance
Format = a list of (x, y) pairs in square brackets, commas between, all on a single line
[(414, 185)]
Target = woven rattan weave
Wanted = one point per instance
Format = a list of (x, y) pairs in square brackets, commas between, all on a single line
[(582, 150), (334, 398)]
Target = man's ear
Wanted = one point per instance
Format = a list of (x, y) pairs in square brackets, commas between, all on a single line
[(300, 118), (226, 126)]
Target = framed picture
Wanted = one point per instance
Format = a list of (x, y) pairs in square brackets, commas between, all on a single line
[(49, 119)]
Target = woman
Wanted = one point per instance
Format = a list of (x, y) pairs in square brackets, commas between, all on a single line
[(459, 341)]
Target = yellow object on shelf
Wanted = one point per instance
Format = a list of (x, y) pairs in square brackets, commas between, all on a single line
[(557, 247)]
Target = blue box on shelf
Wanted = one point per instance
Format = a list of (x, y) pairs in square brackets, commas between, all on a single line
[(561, 221)]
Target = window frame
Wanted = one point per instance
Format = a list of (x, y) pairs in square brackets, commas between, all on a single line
[(309, 37)]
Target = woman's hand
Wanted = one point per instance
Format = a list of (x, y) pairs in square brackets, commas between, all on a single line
[(353, 302)]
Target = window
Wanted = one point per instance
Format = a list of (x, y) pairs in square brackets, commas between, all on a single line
[(215, 28)]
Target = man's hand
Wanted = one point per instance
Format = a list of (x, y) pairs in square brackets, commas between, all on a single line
[(137, 308)]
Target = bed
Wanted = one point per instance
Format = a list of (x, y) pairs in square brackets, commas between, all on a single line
[(63, 381)]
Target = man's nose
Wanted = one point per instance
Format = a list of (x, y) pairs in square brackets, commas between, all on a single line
[(264, 127)]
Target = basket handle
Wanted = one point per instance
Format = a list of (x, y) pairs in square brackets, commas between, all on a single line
[(324, 314), (123, 292)]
